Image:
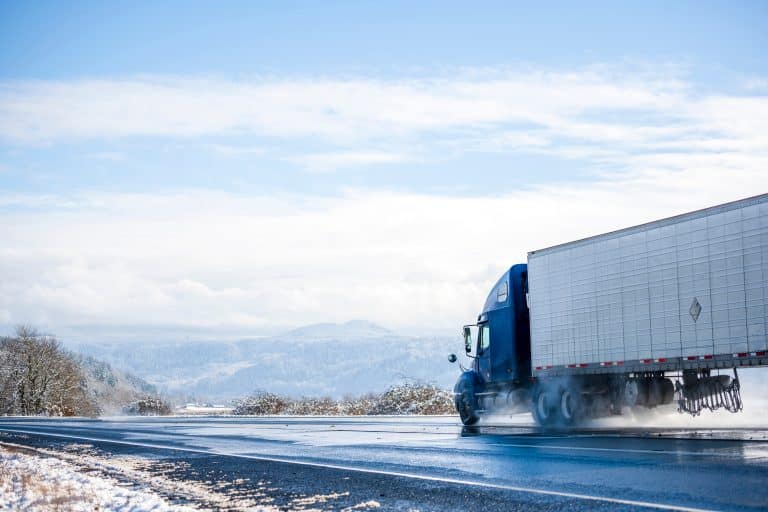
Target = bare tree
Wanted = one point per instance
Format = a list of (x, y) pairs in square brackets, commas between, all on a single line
[(10, 371), (39, 377)]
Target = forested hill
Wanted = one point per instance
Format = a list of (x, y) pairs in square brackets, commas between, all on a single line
[(113, 390)]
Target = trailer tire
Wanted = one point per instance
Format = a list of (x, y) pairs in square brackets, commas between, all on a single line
[(465, 405), (570, 407), (668, 391), (631, 393), (543, 408)]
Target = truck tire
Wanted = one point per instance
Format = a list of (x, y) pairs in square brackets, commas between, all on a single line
[(661, 391), (466, 406), (668, 391), (570, 409), (632, 393), (543, 408)]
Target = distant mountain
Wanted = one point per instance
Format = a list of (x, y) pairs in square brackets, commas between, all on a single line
[(316, 360), (350, 330)]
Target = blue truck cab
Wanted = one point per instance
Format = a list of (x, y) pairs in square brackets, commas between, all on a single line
[(501, 352)]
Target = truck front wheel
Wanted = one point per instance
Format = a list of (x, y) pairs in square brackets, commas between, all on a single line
[(465, 405)]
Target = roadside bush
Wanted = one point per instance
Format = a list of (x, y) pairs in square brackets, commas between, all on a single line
[(148, 406), (361, 406), (414, 399), (313, 407), (408, 398), (261, 403)]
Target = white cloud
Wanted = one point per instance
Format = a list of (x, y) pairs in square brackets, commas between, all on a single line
[(230, 150), (321, 162), (351, 109), (581, 114), (201, 259)]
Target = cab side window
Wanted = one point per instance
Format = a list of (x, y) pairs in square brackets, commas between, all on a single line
[(485, 338), (501, 292)]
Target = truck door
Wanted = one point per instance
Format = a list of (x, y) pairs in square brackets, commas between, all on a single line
[(484, 351)]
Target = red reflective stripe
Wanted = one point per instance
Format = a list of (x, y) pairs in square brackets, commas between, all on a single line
[(583, 365), (708, 356), (571, 366), (760, 354), (619, 363), (538, 367), (691, 358), (646, 361), (661, 360), (741, 354)]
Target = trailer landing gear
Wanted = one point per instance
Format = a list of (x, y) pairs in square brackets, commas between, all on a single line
[(700, 390)]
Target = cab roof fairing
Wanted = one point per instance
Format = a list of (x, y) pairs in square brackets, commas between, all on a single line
[(501, 290)]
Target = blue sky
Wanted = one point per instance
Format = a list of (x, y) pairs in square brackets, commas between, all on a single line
[(137, 134), (54, 40)]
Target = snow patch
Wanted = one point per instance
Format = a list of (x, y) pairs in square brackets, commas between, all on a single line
[(35, 483), (79, 477)]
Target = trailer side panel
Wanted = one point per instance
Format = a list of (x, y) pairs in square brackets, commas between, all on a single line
[(689, 291)]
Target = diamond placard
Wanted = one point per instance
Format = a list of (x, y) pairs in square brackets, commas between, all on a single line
[(695, 310)]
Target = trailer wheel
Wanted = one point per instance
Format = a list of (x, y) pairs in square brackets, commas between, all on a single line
[(465, 405), (570, 407), (543, 408), (631, 395)]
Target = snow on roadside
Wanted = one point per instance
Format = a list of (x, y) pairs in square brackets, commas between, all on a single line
[(34, 483), (202, 410), (78, 477)]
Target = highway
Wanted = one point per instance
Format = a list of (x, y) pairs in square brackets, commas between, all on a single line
[(432, 463)]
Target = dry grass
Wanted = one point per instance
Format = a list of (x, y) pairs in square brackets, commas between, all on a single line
[(50, 495)]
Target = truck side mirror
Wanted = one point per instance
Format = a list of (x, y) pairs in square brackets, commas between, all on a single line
[(467, 339)]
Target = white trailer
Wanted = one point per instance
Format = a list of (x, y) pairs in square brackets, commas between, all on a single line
[(683, 292)]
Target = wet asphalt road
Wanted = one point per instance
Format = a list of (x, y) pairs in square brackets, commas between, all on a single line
[(434, 464)]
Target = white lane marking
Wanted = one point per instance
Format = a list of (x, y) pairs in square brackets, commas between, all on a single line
[(530, 490)]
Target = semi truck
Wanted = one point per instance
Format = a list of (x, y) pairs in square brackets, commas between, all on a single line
[(649, 315)]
